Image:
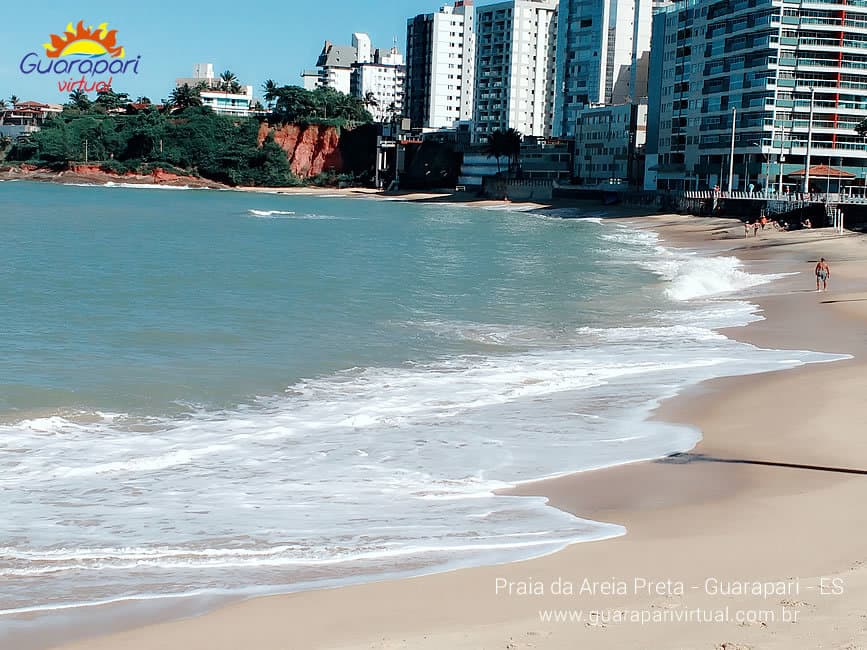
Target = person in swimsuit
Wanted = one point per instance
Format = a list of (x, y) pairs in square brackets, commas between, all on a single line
[(823, 272)]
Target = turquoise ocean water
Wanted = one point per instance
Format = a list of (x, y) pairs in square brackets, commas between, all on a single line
[(213, 392)]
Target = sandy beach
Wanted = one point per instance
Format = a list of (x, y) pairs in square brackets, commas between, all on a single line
[(754, 539)]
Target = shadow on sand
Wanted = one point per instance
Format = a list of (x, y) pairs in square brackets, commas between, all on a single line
[(703, 458)]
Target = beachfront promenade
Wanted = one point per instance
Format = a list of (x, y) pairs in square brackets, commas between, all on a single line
[(796, 199)]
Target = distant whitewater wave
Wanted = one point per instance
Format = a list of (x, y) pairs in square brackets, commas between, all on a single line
[(136, 186), (288, 214), (152, 186), (270, 213)]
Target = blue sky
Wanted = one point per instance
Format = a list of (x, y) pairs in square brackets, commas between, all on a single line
[(256, 40)]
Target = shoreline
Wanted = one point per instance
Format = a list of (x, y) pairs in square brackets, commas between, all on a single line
[(166, 180), (728, 481)]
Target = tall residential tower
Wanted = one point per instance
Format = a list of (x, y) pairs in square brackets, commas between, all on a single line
[(440, 51), (515, 66), (780, 81), (603, 50)]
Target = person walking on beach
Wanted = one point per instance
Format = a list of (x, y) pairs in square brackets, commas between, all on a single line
[(823, 272), (746, 229)]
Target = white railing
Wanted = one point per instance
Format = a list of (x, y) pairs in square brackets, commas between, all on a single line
[(791, 198)]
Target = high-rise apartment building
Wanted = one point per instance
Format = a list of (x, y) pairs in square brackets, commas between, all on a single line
[(440, 49), (782, 80), (515, 66), (603, 49)]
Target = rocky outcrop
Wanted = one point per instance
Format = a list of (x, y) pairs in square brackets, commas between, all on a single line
[(310, 148)]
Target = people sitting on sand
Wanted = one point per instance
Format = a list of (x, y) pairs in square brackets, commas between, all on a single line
[(806, 223)]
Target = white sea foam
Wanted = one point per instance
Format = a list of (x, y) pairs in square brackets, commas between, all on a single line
[(703, 277), (287, 214), (270, 213), (151, 186)]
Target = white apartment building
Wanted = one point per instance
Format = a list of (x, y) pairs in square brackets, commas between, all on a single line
[(515, 67), (226, 103), (441, 66), (335, 66), (377, 76), (381, 84), (219, 101)]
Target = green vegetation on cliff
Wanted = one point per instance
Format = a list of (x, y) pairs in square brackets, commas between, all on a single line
[(295, 105), (182, 135), (194, 140)]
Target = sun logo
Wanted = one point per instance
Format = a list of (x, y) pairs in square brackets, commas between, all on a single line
[(84, 41)]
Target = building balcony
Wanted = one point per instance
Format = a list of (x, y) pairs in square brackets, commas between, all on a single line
[(828, 5), (804, 85), (833, 25), (832, 45), (824, 65)]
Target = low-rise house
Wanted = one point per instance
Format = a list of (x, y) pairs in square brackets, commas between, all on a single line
[(25, 118)]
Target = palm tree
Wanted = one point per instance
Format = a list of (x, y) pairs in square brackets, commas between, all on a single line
[(227, 80), (143, 100), (370, 100), (270, 90), (512, 140), (79, 99), (13, 99), (2, 104), (504, 144), (183, 97), (496, 146)]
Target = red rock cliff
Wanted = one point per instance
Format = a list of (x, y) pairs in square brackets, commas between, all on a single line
[(311, 149)]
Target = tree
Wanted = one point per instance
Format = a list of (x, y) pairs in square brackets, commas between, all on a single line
[(269, 88), (496, 146), (294, 104), (110, 100), (862, 128), (512, 141), (392, 112), (229, 82), (78, 99), (504, 144), (13, 100), (370, 100), (184, 97), (2, 104), (143, 100)]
